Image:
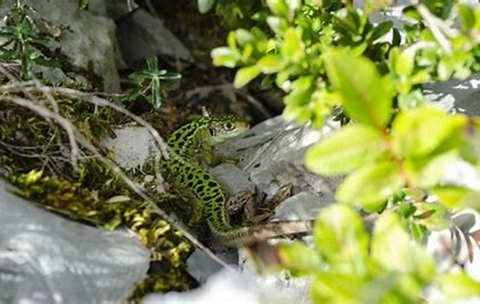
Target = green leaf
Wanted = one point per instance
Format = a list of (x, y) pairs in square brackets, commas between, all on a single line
[(457, 197), (403, 61), (431, 216), (270, 63), (428, 172), (420, 77), (342, 240), (367, 98), (205, 5), (278, 7), (396, 37), (418, 132), (371, 186), (459, 286), (83, 4), (466, 15), (411, 12), (336, 288), (293, 48), (244, 37), (302, 90), (298, 98), (245, 75), (277, 24), (348, 22), (299, 259), (411, 100), (224, 56), (293, 6), (394, 249), (381, 29), (349, 148)]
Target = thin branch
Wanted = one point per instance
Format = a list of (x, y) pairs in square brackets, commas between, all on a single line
[(434, 24)]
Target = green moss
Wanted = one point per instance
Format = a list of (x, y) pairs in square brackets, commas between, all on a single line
[(163, 281)]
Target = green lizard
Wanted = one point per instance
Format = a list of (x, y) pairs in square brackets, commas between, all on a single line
[(192, 144)]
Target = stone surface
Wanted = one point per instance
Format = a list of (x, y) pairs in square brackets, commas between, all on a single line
[(131, 146), (457, 95), (45, 258), (141, 35), (231, 287), (233, 178), (87, 38)]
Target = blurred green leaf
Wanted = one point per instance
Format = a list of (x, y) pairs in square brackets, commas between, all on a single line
[(396, 37), (428, 172), (83, 4), (245, 75), (458, 286), (205, 5), (367, 98), (342, 240), (278, 7), (337, 288), (403, 256), (457, 197), (244, 37), (432, 216), (301, 91), (411, 12), (293, 6), (299, 258), (292, 48), (277, 24), (466, 15), (417, 132), (349, 148), (370, 186), (403, 61), (381, 29), (224, 56), (270, 63)]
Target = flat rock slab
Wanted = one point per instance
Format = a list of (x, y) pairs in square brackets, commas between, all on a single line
[(45, 258)]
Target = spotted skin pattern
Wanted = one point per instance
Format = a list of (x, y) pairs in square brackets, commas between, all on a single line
[(200, 134), (182, 170)]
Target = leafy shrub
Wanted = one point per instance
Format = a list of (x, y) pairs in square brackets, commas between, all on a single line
[(328, 55)]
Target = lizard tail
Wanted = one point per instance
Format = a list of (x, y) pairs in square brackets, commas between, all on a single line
[(244, 235)]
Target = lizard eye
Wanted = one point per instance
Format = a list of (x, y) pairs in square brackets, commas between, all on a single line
[(229, 126)]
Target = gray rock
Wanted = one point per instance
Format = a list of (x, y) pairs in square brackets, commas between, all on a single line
[(230, 286), (457, 95), (303, 205), (45, 258), (233, 178), (142, 35), (132, 146), (87, 39)]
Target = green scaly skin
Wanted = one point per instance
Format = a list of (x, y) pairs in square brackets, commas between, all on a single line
[(203, 133), (182, 170)]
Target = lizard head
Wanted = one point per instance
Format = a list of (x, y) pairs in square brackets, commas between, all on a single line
[(226, 127)]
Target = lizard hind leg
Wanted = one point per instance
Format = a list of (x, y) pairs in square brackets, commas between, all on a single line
[(238, 201), (266, 207)]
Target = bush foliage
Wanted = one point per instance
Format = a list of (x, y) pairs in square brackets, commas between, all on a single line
[(396, 147)]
